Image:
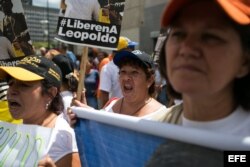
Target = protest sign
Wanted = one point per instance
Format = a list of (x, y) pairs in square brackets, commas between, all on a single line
[(117, 140), (90, 23), (23, 145), (14, 36), (15, 43)]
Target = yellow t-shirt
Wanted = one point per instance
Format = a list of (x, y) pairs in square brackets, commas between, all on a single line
[(104, 18), (5, 114)]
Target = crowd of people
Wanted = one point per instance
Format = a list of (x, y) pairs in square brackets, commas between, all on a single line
[(203, 37)]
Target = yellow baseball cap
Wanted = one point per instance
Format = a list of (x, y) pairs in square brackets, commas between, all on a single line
[(123, 43), (34, 68)]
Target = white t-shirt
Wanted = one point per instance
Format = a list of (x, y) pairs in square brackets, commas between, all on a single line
[(109, 80), (82, 9), (63, 140), (151, 116), (67, 99), (237, 123)]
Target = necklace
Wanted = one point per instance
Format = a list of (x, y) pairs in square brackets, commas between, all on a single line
[(133, 113)]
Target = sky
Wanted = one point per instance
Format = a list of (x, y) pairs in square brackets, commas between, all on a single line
[(43, 3)]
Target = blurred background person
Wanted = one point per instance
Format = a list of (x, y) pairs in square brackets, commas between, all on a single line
[(51, 53), (69, 80), (65, 51), (91, 81), (103, 58), (6, 49), (43, 51), (161, 87), (112, 11), (63, 7), (82, 9)]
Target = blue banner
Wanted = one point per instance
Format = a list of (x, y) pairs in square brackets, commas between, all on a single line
[(102, 145), (114, 140)]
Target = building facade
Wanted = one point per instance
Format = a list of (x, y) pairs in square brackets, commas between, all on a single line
[(141, 22), (42, 23)]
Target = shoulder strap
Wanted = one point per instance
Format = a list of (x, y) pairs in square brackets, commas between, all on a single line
[(109, 101), (174, 115)]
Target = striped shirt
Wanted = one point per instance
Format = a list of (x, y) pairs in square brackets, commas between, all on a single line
[(3, 90)]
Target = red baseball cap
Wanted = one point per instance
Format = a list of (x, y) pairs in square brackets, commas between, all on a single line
[(237, 10)]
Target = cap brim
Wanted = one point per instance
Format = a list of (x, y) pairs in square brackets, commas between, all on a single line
[(121, 55), (234, 9), (133, 43), (19, 74)]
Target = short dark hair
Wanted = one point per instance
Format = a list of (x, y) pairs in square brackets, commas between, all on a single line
[(147, 70), (241, 86), (56, 105)]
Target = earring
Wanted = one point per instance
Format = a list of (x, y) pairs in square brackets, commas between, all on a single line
[(47, 105)]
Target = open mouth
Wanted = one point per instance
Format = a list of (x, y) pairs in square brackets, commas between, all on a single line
[(13, 104), (127, 87), (14, 108)]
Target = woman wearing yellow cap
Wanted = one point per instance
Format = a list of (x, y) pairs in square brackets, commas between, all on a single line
[(34, 96)]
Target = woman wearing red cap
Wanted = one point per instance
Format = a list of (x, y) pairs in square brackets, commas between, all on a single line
[(205, 60)]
